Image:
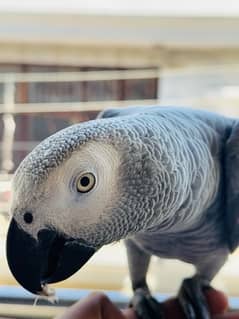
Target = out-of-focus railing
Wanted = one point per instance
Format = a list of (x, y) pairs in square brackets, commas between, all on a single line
[(43, 94), (79, 76), (10, 106)]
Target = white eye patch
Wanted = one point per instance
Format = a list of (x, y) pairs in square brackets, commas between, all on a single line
[(93, 192)]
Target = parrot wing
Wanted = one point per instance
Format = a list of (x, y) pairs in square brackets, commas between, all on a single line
[(231, 185)]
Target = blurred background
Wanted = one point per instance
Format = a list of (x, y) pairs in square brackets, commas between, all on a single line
[(61, 62)]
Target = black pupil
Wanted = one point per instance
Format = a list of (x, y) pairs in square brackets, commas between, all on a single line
[(28, 218), (85, 181)]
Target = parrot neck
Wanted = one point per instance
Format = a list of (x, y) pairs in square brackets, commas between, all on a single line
[(181, 204), (177, 176), (168, 176)]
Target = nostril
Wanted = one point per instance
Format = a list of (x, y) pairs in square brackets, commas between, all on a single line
[(28, 217)]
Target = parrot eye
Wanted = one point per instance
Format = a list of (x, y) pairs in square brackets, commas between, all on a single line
[(85, 182)]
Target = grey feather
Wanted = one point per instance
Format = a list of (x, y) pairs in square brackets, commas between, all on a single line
[(170, 179), (195, 244), (231, 176)]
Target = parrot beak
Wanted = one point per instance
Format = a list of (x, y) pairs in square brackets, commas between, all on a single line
[(49, 259)]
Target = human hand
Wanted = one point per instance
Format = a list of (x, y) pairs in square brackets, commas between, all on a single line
[(217, 302), (96, 306), (99, 306)]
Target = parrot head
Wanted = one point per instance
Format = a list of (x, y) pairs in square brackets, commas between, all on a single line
[(81, 188)]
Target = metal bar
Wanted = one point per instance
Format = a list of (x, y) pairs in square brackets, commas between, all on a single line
[(26, 311), (80, 76), (75, 106)]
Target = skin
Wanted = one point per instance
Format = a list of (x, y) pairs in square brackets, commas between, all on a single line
[(98, 306)]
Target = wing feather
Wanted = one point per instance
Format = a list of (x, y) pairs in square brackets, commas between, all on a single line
[(231, 176)]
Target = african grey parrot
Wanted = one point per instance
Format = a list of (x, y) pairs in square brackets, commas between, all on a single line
[(164, 179)]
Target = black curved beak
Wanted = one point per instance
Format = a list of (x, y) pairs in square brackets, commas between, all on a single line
[(50, 259)]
